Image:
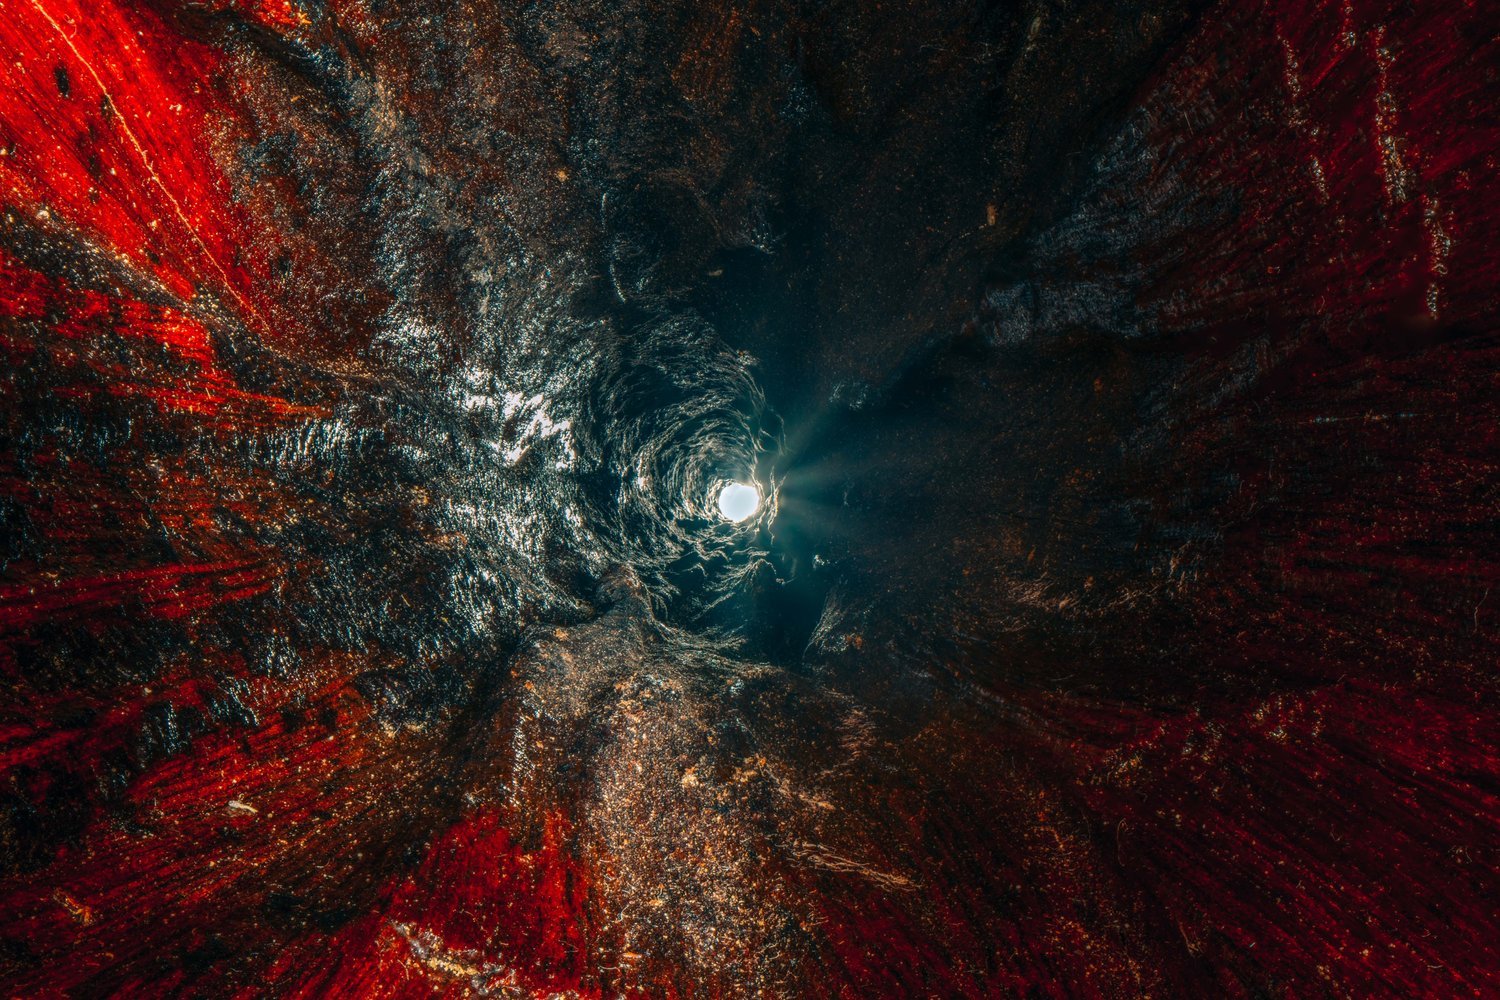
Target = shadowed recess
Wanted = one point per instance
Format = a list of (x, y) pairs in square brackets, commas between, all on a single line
[(783, 498)]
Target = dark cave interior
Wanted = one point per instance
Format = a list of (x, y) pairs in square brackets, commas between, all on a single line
[(1122, 383)]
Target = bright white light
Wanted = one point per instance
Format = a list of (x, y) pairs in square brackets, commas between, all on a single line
[(738, 501)]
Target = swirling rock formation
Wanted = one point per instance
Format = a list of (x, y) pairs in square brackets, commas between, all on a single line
[(1122, 380)]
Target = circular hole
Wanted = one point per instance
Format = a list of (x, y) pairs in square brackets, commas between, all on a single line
[(738, 501)]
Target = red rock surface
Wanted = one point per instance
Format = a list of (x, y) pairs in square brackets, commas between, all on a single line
[(1200, 701)]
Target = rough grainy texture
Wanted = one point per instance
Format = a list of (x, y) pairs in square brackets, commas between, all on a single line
[(1123, 381)]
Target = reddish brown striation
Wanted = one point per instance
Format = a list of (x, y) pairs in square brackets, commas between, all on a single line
[(1209, 708)]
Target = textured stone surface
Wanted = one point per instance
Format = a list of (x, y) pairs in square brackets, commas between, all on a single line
[(1122, 381)]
